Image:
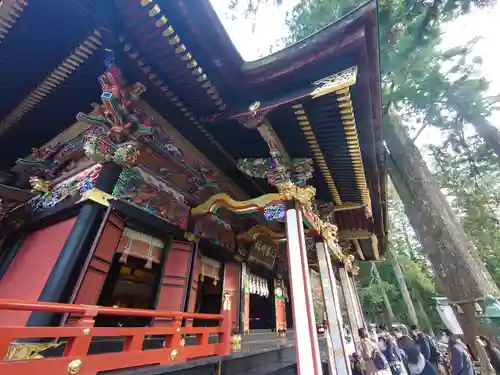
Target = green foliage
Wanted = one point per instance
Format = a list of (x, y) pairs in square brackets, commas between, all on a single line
[(470, 175), (415, 267)]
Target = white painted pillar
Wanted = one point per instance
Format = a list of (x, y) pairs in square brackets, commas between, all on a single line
[(306, 339), (357, 303), (352, 313), (334, 316)]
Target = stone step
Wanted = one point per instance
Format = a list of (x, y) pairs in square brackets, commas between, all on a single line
[(277, 360), (258, 335)]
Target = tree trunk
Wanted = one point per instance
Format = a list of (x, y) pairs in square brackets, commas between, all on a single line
[(423, 313), (388, 308), (412, 314), (459, 272)]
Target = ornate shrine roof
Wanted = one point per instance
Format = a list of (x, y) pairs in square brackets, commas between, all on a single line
[(197, 80)]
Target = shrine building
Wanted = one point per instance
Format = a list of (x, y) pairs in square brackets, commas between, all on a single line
[(162, 201)]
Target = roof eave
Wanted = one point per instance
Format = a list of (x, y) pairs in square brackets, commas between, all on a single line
[(347, 26)]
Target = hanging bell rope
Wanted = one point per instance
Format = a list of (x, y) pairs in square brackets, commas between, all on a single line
[(149, 263), (126, 251)]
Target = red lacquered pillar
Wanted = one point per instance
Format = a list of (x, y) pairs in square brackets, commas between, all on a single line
[(227, 322), (280, 307)]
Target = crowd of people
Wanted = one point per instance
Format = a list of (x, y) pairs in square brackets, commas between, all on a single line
[(394, 352)]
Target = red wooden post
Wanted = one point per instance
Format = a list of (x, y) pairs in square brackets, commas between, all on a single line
[(226, 325), (79, 346)]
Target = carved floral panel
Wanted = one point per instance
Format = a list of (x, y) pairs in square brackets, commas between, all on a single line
[(144, 191), (216, 230), (72, 188)]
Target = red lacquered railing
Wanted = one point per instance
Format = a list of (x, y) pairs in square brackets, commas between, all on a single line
[(77, 339)]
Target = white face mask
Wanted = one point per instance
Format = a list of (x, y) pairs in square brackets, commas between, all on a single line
[(381, 345)]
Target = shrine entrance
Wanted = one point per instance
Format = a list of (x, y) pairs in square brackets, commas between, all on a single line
[(209, 294), (133, 278), (261, 302), (129, 285)]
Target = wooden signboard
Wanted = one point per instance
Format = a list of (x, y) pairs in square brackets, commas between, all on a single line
[(264, 251)]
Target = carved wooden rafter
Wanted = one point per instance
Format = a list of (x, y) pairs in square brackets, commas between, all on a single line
[(163, 22), (10, 12), (67, 67), (172, 97)]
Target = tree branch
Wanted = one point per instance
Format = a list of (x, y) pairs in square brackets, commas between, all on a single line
[(430, 15), (419, 132)]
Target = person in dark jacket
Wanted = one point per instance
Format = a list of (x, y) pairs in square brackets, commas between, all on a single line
[(356, 364), (417, 364), (405, 342), (493, 354), (389, 348), (460, 360), (422, 341)]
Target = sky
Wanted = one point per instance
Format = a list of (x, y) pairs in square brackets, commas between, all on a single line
[(270, 28)]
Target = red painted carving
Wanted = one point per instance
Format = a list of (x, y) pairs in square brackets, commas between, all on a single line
[(213, 228)]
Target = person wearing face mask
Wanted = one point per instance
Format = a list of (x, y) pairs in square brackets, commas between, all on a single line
[(427, 344), (405, 342), (374, 359), (389, 348), (417, 363), (460, 359)]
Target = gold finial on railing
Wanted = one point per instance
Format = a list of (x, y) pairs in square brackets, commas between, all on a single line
[(174, 354), (74, 366), (235, 342)]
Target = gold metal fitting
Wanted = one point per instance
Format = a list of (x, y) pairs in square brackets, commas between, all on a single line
[(174, 354), (74, 366)]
